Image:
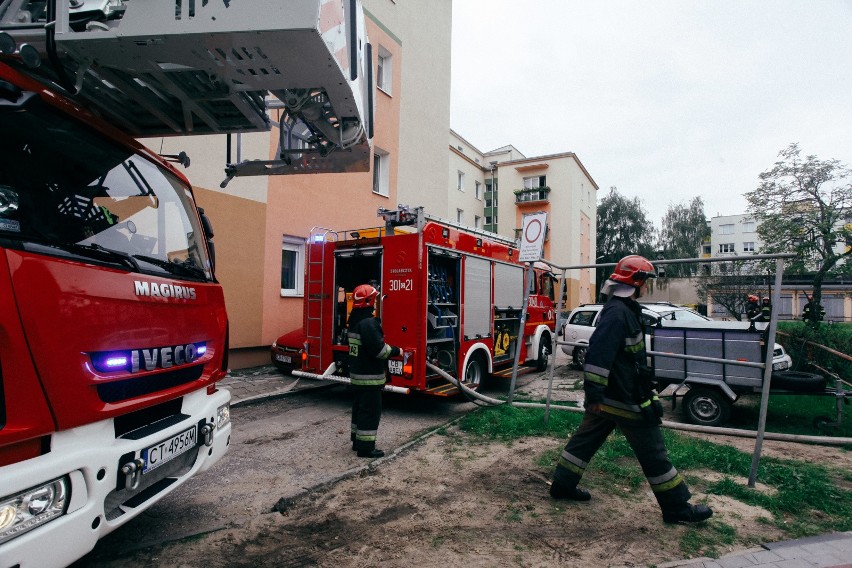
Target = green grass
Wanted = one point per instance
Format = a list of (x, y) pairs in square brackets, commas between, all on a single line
[(792, 414), (808, 498)]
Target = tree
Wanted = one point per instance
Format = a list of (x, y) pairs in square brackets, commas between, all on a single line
[(728, 285), (684, 228), (805, 206), (623, 229)]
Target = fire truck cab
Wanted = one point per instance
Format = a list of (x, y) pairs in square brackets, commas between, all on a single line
[(450, 296)]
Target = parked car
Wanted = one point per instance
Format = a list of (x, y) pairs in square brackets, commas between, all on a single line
[(582, 320), (287, 358)]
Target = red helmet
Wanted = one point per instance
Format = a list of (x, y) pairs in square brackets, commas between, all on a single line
[(753, 298), (364, 296), (633, 270)]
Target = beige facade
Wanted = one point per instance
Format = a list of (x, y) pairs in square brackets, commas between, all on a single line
[(558, 184)]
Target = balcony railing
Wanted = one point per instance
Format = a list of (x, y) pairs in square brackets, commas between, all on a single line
[(532, 194)]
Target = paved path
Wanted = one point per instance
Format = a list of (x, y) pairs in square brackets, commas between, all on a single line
[(833, 550)]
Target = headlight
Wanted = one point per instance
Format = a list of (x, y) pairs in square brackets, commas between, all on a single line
[(275, 345), (27, 510), (223, 415)]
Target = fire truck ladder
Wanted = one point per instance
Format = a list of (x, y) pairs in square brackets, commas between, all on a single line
[(316, 294)]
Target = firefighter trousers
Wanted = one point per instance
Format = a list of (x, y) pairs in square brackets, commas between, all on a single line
[(366, 413), (647, 442)]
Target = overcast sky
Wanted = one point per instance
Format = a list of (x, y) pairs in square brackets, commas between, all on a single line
[(665, 100)]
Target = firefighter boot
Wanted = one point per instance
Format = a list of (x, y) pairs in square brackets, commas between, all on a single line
[(688, 513), (374, 453), (572, 493)]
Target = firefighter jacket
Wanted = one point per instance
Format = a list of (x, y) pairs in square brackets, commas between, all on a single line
[(616, 378), (368, 352)]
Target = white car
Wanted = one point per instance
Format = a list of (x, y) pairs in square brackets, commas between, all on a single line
[(582, 320)]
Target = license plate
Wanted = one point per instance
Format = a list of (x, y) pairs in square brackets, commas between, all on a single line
[(283, 358), (779, 366), (395, 367), (167, 450)]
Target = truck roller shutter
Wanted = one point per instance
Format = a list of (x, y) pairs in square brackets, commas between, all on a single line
[(508, 286), (477, 297)]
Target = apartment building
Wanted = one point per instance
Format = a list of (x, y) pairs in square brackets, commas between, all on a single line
[(493, 190), (736, 235)]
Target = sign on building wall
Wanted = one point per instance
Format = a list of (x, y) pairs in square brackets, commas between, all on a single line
[(532, 236)]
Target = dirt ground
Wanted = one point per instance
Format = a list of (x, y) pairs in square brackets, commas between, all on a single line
[(454, 500)]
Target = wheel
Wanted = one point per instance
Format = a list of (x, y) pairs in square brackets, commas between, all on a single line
[(797, 381), (579, 357), (543, 353), (473, 373), (706, 407), (286, 370)]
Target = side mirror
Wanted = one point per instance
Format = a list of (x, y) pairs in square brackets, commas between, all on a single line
[(207, 227)]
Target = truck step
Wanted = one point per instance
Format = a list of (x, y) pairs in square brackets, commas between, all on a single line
[(507, 373)]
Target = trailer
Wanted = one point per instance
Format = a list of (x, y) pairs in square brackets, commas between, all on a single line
[(726, 362), (451, 296)]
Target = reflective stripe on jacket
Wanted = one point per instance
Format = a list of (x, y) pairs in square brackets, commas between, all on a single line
[(368, 352)]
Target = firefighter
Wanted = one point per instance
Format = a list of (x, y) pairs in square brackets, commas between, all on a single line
[(753, 307), (765, 310), (368, 355), (619, 394), (812, 312)]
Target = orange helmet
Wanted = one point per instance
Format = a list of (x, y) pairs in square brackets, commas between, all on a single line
[(633, 270), (753, 298), (364, 296)]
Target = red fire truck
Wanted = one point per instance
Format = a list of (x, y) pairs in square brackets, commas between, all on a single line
[(114, 331), (451, 296)]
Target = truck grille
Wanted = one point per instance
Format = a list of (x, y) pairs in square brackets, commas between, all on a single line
[(125, 389)]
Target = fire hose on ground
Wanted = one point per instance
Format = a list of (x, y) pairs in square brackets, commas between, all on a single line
[(802, 439)]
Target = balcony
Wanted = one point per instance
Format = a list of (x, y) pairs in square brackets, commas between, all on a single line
[(535, 194)]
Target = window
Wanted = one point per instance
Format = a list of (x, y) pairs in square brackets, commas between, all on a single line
[(381, 167), (459, 215), (477, 221), (583, 318), (726, 229), (749, 226), (489, 220), (461, 181), (748, 247), (534, 182), (384, 75), (705, 249), (478, 186), (726, 247), (292, 266)]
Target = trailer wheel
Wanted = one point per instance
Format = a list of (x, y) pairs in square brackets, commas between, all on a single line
[(579, 357), (543, 353), (706, 407), (473, 372)]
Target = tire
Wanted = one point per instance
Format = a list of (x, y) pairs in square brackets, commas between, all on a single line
[(284, 369), (706, 407), (579, 357), (474, 372), (544, 351), (797, 381)]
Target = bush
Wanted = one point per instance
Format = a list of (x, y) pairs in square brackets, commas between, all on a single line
[(794, 336)]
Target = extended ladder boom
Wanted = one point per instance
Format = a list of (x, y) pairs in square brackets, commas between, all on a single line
[(179, 67)]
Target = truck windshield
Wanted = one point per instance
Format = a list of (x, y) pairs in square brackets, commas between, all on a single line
[(67, 190)]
